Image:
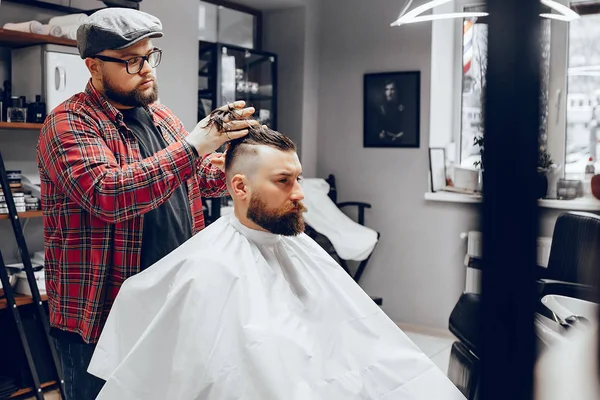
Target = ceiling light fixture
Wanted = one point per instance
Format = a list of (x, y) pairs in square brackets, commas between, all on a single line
[(564, 13)]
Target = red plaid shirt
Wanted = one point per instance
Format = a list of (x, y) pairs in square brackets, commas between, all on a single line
[(95, 189)]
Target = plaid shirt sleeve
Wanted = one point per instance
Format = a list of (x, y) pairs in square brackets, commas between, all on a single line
[(81, 164), (212, 179)]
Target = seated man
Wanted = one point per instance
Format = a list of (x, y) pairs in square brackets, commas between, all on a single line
[(252, 308)]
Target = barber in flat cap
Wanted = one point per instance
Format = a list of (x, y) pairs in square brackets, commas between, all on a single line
[(121, 180)]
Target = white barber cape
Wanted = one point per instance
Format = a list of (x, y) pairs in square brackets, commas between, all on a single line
[(236, 313)]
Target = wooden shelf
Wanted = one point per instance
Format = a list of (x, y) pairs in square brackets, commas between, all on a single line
[(25, 391), (21, 300), (20, 125), (26, 214), (18, 39), (46, 5)]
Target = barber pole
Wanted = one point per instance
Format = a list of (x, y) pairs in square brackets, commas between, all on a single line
[(467, 45)]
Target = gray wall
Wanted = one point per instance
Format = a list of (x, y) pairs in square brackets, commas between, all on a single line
[(288, 44), (177, 74), (310, 115), (293, 33)]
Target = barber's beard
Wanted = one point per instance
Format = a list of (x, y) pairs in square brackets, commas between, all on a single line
[(133, 98), (287, 222)]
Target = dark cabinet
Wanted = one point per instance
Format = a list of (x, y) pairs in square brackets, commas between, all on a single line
[(228, 73)]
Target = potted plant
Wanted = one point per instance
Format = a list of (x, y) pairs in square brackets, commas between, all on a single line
[(545, 166), (478, 141)]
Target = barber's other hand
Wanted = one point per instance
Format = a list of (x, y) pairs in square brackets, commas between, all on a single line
[(218, 160), (206, 137)]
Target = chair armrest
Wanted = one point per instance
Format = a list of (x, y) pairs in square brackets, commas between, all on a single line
[(570, 289), (354, 203), (361, 209), (477, 263)]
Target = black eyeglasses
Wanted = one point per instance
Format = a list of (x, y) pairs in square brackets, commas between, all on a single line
[(135, 64)]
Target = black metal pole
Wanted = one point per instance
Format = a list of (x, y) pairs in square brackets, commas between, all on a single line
[(510, 213)]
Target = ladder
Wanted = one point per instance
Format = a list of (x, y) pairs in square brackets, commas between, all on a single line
[(37, 300)]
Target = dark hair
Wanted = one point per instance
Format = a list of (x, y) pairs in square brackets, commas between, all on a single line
[(257, 135)]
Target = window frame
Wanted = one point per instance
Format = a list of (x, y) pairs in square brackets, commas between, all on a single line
[(557, 86)]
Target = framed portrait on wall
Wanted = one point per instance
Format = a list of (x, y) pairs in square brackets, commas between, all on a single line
[(392, 109)]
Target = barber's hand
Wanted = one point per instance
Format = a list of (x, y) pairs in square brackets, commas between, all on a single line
[(206, 137)]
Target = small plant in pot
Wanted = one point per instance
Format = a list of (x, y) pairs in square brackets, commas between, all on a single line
[(478, 141), (545, 166)]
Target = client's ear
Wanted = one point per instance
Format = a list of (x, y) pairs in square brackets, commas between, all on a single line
[(240, 187)]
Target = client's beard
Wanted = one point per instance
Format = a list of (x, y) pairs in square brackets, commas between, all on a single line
[(287, 222), (133, 98)]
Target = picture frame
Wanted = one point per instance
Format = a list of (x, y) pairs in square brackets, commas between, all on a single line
[(437, 168), (392, 109)]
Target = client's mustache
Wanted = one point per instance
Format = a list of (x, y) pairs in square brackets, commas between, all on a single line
[(297, 207), (300, 207)]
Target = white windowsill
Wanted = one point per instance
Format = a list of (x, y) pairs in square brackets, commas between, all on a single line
[(580, 204)]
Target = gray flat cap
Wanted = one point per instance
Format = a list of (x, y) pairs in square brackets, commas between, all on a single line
[(114, 29)]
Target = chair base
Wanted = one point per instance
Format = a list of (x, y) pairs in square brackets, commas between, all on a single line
[(463, 370)]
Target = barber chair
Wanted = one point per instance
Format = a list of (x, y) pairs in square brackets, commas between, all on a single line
[(316, 199), (573, 271), (574, 264)]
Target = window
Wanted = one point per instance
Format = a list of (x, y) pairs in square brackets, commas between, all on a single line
[(583, 95), (474, 64)]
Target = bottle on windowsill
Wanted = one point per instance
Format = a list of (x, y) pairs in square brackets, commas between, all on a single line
[(590, 171)]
